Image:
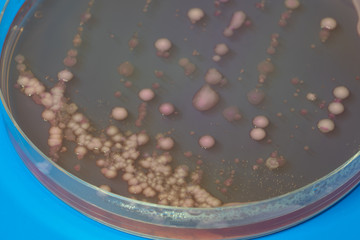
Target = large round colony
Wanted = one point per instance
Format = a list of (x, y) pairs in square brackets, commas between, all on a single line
[(166, 109), (195, 14), (327, 25), (258, 133), (326, 125), (119, 113), (163, 46), (205, 99), (292, 4), (206, 141), (146, 94), (341, 92)]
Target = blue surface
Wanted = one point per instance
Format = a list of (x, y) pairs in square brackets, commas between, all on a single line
[(29, 211)]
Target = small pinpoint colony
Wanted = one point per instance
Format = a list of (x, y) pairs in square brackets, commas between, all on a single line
[(273, 44), (327, 25), (133, 42), (291, 5)]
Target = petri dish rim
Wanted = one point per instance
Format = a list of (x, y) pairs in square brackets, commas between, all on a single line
[(347, 182)]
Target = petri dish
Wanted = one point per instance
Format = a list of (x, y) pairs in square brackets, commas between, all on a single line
[(242, 186)]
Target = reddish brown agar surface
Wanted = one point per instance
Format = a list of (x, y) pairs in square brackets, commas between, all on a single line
[(144, 151)]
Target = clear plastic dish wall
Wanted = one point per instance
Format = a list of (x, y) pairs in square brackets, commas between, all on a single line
[(144, 219)]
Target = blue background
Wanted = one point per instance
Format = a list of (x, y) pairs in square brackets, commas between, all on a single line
[(29, 211)]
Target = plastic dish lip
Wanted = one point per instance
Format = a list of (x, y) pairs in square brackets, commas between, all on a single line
[(8, 112), (345, 187)]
